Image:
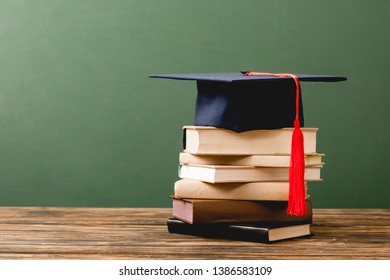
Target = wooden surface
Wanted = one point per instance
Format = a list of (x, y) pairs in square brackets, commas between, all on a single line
[(140, 233)]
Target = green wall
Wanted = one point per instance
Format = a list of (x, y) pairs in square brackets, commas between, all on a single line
[(81, 124)]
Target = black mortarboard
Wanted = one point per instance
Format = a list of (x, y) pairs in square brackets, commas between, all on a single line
[(240, 103)]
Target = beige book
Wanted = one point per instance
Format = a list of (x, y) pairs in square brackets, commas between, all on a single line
[(270, 191), (218, 141), (251, 160), (235, 174)]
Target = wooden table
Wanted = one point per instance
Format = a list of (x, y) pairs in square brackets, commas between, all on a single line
[(141, 233)]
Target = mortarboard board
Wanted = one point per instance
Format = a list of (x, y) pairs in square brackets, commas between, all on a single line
[(242, 101)]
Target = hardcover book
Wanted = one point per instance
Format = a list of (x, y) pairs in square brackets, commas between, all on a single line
[(247, 160), (232, 174), (217, 141), (271, 191), (198, 211), (254, 232)]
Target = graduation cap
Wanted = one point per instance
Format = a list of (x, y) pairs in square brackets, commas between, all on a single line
[(243, 101)]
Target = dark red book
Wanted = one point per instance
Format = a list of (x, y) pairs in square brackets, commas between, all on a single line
[(207, 211)]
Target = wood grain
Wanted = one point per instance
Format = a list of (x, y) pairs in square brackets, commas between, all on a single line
[(141, 233)]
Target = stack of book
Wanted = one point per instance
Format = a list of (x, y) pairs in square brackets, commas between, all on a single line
[(235, 185)]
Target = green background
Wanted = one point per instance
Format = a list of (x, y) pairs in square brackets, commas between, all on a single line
[(81, 124)]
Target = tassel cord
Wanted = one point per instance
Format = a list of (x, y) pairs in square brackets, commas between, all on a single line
[(297, 195)]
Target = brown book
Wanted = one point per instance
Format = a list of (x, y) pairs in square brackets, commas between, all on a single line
[(197, 211), (218, 141), (270, 191), (234, 174), (247, 160)]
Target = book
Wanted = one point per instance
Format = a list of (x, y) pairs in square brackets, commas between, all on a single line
[(247, 160), (219, 141), (198, 211), (232, 174), (253, 232), (270, 191)]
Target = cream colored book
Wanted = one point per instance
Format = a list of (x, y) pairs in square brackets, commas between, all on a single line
[(235, 174), (218, 141), (252, 160), (267, 191)]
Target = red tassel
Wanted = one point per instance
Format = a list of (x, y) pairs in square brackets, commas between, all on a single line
[(296, 200), (297, 195)]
